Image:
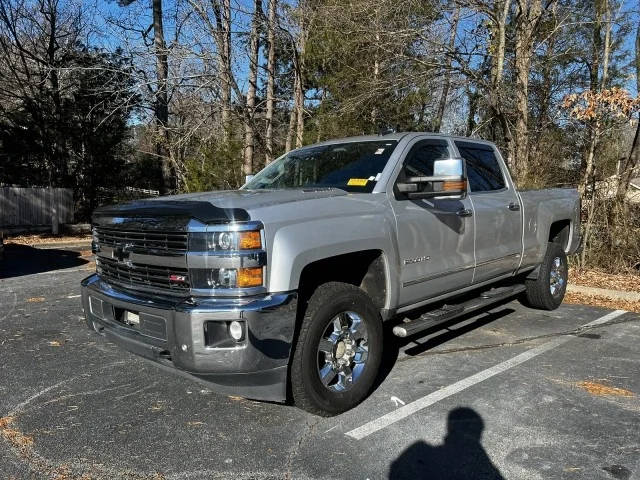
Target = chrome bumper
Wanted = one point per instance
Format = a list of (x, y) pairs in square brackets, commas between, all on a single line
[(172, 334)]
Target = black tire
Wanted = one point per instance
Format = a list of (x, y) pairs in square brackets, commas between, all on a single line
[(344, 302), (546, 293)]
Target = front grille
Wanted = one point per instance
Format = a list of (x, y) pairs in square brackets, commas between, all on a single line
[(145, 277), (143, 241)]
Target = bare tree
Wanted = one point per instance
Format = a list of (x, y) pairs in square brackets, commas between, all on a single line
[(528, 16), (598, 81), (271, 60), (254, 48), (161, 108), (447, 79)]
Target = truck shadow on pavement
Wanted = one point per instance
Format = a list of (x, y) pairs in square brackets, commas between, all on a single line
[(22, 260), (393, 345), (461, 456)]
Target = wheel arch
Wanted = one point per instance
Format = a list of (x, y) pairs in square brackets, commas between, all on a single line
[(366, 269)]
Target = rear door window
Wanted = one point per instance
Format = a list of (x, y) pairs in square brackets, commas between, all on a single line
[(419, 160), (483, 170)]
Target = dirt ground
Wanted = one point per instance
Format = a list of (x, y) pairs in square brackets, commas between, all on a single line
[(598, 279), (45, 239)]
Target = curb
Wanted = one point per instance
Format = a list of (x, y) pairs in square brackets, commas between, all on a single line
[(604, 292)]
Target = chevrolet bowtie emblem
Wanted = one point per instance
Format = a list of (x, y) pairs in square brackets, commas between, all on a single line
[(122, 252)]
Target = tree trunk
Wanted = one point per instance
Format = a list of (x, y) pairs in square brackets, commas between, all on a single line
[(495, 99), (249, 134), (607, 45), (590, 163), (271, 60), (529, 13), (376, 69), (502, 35), (473, 108), (299, 107), (602, 10), (225, 59), (162, 99), (447, 81), (299, 92), (629, 167), (292, 118)]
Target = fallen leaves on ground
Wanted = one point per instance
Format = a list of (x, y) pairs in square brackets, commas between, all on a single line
[(45, 238), (604, 302), (24, 444), (15, 437), (35, 299), (610, 281), (599, 389), (55, 343)]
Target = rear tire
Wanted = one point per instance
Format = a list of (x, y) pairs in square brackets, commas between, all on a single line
[(338, 351), (547, 291)]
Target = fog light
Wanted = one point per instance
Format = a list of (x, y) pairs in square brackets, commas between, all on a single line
[(235, 330)]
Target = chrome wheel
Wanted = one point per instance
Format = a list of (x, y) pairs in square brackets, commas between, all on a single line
[(557, 276), (343, 351)]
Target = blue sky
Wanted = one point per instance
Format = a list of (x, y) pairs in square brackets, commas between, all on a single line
[(108, 36)]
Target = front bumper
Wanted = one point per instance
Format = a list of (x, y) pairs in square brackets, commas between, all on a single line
[(172, 334)]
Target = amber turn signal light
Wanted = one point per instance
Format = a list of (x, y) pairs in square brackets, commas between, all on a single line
[(249, 277), (249, 240), (454, 186)]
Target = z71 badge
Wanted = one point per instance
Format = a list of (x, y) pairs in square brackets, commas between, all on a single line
[(409, 261)]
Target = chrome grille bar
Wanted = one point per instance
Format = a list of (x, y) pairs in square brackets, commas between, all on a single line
[(143, 241), (145, 277)]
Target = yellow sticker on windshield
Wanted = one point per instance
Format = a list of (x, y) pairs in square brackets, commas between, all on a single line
[(357, 182)]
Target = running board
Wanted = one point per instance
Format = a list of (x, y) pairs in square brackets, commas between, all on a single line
[(449, 312)]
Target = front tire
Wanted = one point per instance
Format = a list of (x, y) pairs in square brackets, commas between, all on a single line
[(547, 291), (338, 351)]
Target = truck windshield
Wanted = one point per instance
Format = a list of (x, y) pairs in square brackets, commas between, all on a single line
[(353, 166)]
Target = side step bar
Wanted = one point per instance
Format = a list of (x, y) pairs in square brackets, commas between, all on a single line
[(449, 312)]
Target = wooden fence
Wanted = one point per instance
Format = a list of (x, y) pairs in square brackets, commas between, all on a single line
[(29, 207)]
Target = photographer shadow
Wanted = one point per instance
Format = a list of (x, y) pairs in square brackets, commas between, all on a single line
[(460, 457)]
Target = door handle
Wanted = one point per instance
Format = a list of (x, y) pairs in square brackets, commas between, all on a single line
[(514, 206), (464, 212)]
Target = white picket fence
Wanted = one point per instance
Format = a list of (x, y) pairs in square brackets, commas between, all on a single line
[(27, 207)]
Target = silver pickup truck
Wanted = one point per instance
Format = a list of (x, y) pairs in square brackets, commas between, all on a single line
[(280, 290)]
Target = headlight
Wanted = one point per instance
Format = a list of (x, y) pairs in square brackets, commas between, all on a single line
[(226, 278), (225, 241), (226, 258)]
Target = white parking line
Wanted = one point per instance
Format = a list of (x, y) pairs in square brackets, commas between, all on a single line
[(428, 400)]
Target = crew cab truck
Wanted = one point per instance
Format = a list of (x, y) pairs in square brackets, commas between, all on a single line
[(279, 290)]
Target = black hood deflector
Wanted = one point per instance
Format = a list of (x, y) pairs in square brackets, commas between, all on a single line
[(185, 209)]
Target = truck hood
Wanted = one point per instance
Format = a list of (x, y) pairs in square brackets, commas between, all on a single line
[(253, 199), (208, 207)]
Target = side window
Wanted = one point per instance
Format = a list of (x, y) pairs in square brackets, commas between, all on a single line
[(483, 169), (419, 160)]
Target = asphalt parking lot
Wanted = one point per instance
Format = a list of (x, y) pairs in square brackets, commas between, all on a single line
[(511, 393)]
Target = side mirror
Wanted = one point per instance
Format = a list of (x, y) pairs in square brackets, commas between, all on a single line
[(448, 180)]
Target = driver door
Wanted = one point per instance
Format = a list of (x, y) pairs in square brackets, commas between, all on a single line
[(435, 235)]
